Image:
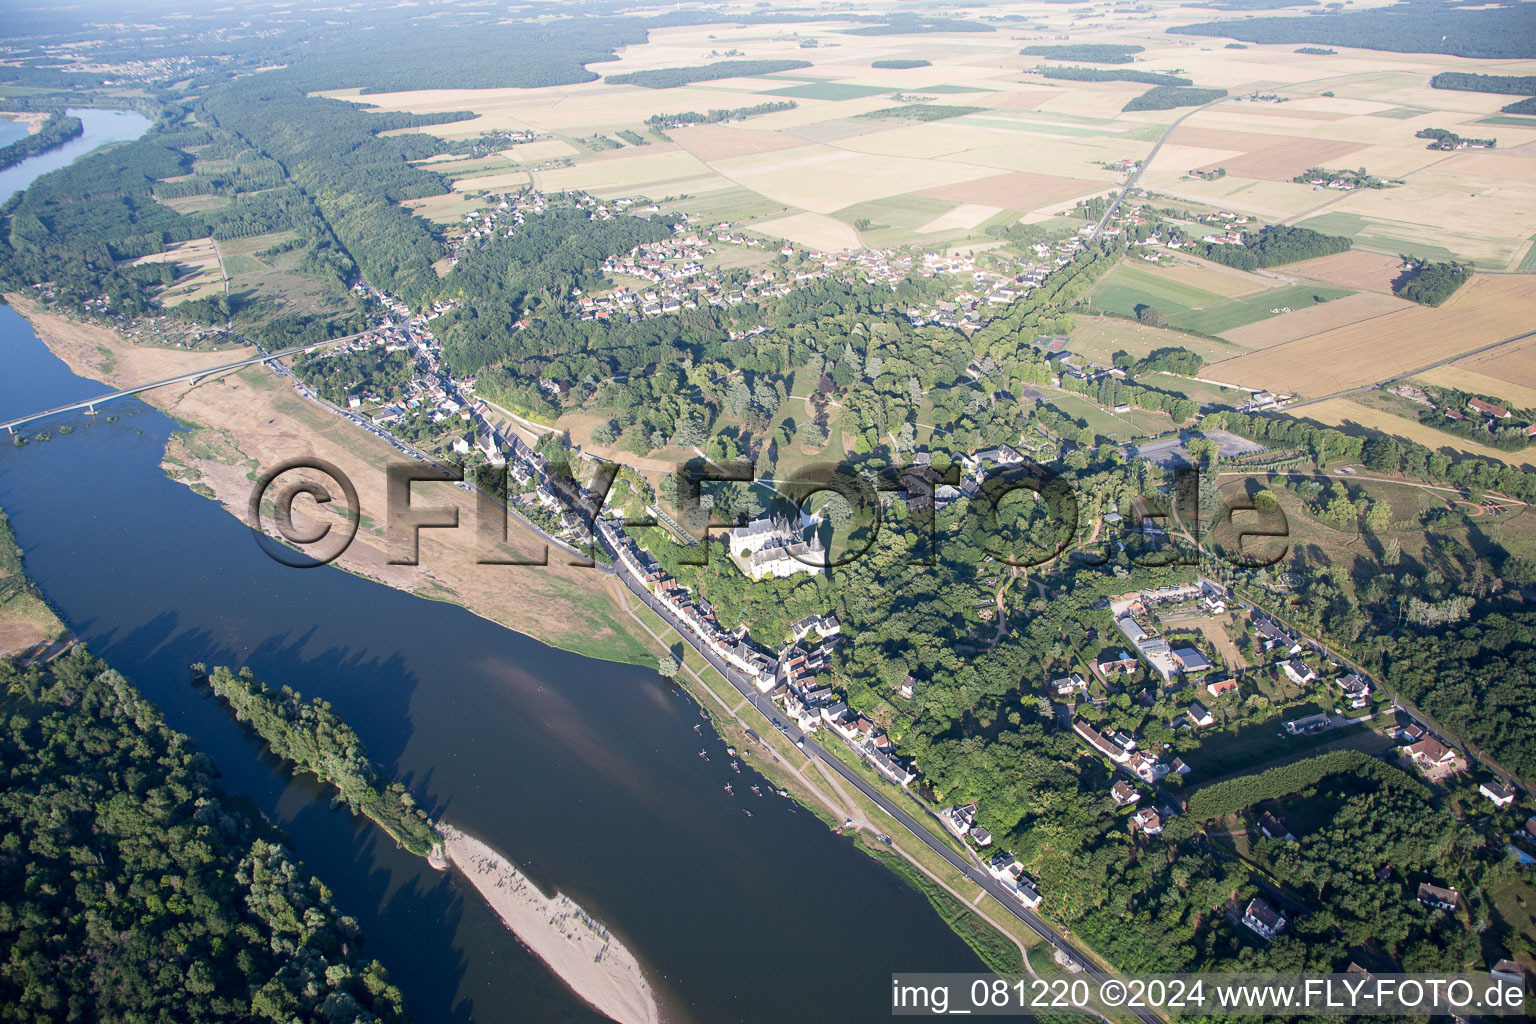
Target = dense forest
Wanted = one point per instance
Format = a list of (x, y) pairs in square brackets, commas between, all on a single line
[(1429, 284), (1072, 73), (132, 888), (1526, 106), (1166, 97), (1508, 85), (1478, 678), (57, 129), (1275, 245), (1418, 26), (1093, 53), (317, 741), (671, 78)]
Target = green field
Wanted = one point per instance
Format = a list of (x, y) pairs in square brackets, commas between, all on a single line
[(1400, 113), (1528, 264), (1194, 309), (1510, 121), (829, 91), (1249, 309), (1195, 390), (1376, 236)]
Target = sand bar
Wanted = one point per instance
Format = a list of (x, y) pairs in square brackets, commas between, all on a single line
[(580, 951)]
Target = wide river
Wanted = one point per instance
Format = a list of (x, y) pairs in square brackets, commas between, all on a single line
[(584, 772)]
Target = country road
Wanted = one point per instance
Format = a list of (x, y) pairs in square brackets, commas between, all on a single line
[(1130, 182)]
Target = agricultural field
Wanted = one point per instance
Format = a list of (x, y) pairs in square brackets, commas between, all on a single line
[(1356, 412), (1488, 309), (1129, 288), (1036, 143), (1463, 378), (1515, 364), (1302, 323)]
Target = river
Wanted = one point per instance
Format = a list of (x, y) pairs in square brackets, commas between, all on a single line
[(583, 772), (101, 127)]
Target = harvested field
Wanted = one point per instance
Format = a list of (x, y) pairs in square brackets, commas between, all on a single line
[(813, 230), (1514, 363), (717, 142), (965, 216), (538, 152), (1371, 271), (1213, 277), (822, 179), (1304, 323), (1463, 378), (1341, 412), (1019, 190), (506, 182), (1486, 310), (1268, 157)]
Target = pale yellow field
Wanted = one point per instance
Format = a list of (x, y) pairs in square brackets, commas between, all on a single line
[(1486, 310), (538, 152), (201, 257), (1213, 277), (507, 182), (822, 179), (812, 230), (1465, 379), (628, 169), (1338, 412), (966, 215), (819, 157), (1281, 330), (1514, 363)]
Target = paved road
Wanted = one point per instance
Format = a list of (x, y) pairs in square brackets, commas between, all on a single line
[(815, 750), (1136, 175)]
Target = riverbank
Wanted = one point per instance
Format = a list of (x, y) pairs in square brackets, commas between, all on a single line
[(255, 419), (576, 947), (248, 421)]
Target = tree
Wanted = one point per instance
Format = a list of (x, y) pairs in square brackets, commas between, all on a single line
[(667, 665), (1150, 315)]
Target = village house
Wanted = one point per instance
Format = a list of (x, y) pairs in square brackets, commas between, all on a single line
[(1124, 793), (1263, 918), (1274, 828), (1125, 662), (1436, 896), (1148, 821), (1297, 671), (1199, 715), (1430, 753), (1500, 792), (1216, 689)]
